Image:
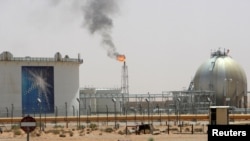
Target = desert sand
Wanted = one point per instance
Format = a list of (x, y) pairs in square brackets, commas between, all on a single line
[(100, 134)]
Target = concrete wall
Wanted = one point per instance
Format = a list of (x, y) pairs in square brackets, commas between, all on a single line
[(66, 84)]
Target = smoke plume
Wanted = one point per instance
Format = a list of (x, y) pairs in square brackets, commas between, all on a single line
[(97, 19)]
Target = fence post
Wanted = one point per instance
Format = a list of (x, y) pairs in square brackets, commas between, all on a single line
[(168, 128), (192, 129)]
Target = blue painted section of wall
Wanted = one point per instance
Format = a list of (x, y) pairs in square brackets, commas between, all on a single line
[(37, 85)]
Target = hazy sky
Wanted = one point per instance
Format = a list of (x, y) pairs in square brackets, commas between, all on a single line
[(164, 41)]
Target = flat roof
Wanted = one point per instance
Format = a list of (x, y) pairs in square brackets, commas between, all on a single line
[(7, 56), (219, 107)]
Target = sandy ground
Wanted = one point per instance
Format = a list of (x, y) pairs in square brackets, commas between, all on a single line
[(71, 134), (109, 137)]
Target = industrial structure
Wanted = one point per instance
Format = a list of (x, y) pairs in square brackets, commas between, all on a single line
[(220, 81), (125, 85), (113, 100), (95, 101), (33, 85), (120, 101), (223, 75)]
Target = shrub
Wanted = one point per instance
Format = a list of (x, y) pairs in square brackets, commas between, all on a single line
[(62, 135), (15, 127), (54, 131), (187, 130), (151, 139), (109, 130), (120, 132), (198, 130), (17, 132), (93, 126), (58, 126), (71, 133)]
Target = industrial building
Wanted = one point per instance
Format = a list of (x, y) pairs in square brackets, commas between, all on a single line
[(94, 101), (30, 85)]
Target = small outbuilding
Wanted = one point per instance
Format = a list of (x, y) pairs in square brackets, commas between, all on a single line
[(219, 115)]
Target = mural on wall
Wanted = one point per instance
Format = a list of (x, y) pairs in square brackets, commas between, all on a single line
[(37, 89)]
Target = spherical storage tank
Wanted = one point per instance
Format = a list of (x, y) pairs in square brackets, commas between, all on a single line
[(223, 75)]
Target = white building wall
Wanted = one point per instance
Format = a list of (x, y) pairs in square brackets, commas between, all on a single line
[(10, 84), (66, 84)]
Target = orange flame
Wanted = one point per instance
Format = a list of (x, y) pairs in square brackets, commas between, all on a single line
[(121, 58)]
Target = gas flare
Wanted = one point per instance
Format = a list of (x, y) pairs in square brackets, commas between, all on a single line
[(121, 58)]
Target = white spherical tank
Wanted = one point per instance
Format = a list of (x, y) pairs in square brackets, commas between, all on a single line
[(225, 77)]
